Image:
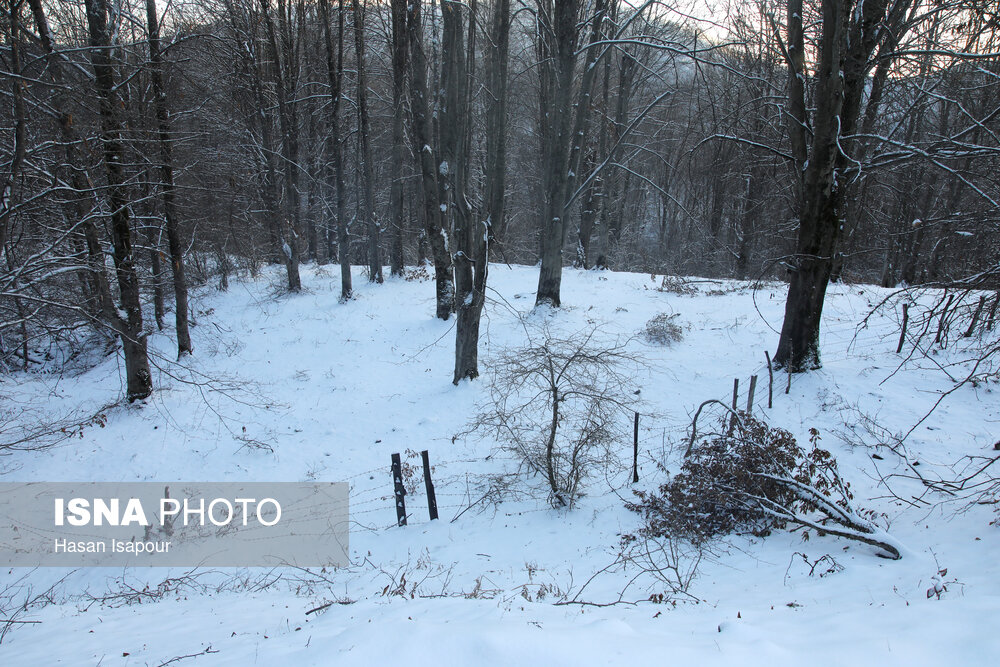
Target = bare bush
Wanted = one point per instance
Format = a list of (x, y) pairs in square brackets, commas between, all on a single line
[(750, 477), (677, 285), (559, 404), (663, 330), (666, 566), (27, 428), (18, 599)]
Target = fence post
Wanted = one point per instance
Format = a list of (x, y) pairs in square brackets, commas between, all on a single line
[(753, 388), (770, 381), (635, 450), (432, 505), (993, 312), (902, 334), (398, 490)]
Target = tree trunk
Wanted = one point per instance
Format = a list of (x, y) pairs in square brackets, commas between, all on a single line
[(588, 216), (848, 39), (364, 141), (174, 242), (398, 36), (819, 217), (335, 72), (559, 60), (472, 261), (434, 207), (314, 197), (563, 131), (139, 383), (753, 204), (284, 63)]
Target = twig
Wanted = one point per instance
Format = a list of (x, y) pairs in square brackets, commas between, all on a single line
[(207, 651)]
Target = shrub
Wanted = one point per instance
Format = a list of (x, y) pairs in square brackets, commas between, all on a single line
[(663, 330), (677, 285), (559, 404), (752, 478)]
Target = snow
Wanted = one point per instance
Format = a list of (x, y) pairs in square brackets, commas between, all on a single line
[(334, 389)]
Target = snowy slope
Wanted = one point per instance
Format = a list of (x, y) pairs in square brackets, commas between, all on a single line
[(298, 388)]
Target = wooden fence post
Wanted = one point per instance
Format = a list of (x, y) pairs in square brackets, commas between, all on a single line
[(635, 450), (993, 312), (432, 505), (770, 381), (753, 388), (398, 490), (902, 334)]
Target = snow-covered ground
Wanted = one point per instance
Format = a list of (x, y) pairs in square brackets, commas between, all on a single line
[(300, 388)]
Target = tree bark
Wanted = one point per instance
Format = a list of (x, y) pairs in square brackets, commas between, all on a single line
[(434, 207), (139, 382), (284, 63), (335, 72), (472, 260), (847, 42), (563, 130), (167, 189), (364, 142), (398, 37)]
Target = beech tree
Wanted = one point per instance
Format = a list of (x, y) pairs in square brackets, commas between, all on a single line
[(335, 73), (364, 141), (563, 109), (167, 189), (832, 141), (397, 36), (622, 131), (476, 234), (283, 47), (139, 381), (435, 221)]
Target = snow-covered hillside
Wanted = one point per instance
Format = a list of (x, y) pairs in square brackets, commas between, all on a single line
[(300, 388)]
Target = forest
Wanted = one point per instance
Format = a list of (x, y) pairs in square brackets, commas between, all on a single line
[(552, 332), (149, 147)]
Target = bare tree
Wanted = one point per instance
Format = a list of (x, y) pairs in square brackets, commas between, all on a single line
[(559, 404), (335, 72), (167, 189), (364, 140), (397, 36), (283, 49), (139, 381), (474, 239), (827, 148), (435, 221), (563, 119)]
